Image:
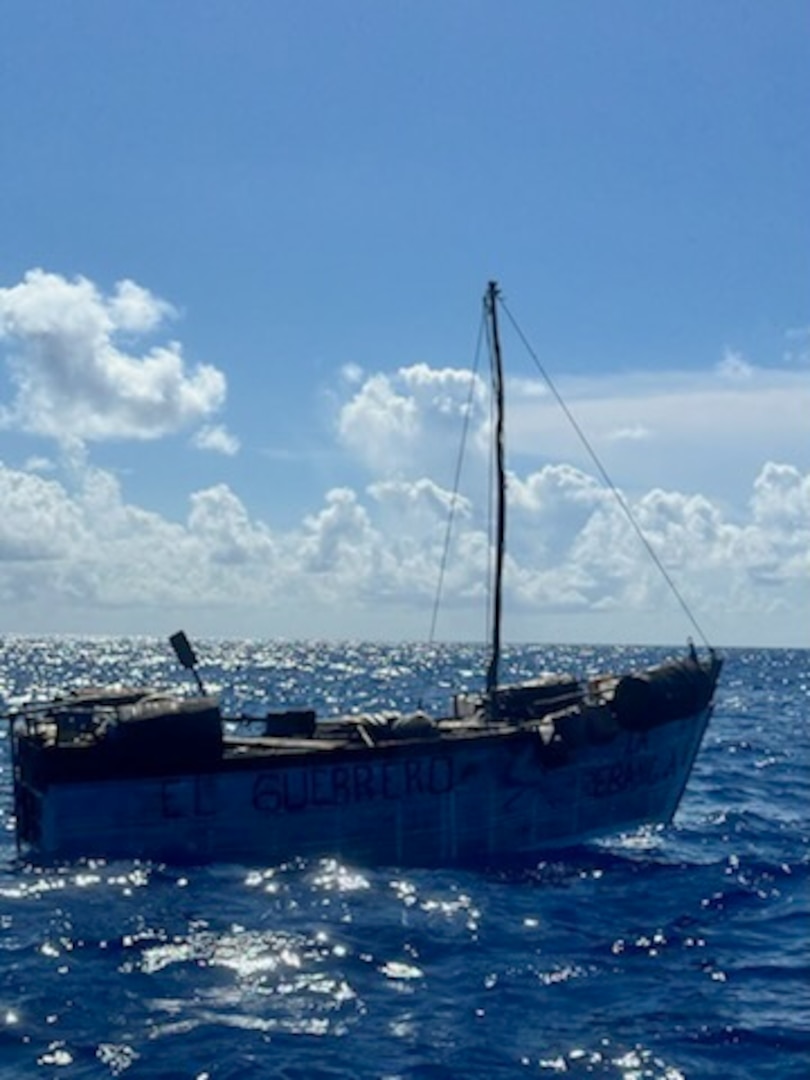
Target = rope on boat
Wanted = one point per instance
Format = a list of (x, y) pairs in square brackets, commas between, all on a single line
[(456, 482), (605, 477)]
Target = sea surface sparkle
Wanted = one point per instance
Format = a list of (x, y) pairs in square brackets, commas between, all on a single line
[(677, 953)]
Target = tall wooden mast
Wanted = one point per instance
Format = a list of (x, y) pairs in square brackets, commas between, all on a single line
[(491, 308)]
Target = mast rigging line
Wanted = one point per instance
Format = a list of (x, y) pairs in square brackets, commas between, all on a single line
[(628, 513), (457, 481)]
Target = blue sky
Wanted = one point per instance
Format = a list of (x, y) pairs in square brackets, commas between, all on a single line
[(251, 435)]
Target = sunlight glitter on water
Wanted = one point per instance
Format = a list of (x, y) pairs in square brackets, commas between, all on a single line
[(461, 904), (637, 1063), (36, 881), (624, 961), (333, 877), (396, 969), (117, 1057), (277, 967), (248, 954)]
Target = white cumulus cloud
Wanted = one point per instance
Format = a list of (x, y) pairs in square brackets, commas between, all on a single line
[(367, 562), (66, 346), (217, 438), (407, 421)]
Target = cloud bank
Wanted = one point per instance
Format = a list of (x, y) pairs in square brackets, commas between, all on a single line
[(77, 555), (364, 554)]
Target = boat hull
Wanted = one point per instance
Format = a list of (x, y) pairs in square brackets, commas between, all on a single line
[(462, 798)]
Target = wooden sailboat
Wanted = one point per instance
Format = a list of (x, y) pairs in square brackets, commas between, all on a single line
[(506, 774)]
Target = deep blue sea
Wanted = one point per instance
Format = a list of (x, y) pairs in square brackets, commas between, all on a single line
[(681, 953)]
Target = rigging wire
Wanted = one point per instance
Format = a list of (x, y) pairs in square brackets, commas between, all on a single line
[(456, 482), (605, 477)]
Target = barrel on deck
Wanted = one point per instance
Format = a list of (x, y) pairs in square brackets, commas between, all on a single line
[(668, 692)]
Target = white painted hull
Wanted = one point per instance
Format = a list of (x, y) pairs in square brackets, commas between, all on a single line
[(461, 799)]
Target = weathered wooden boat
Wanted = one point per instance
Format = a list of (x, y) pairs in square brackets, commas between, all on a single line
[(507, 774)]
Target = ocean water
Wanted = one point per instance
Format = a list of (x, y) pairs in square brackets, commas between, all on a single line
[(675, 953)]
